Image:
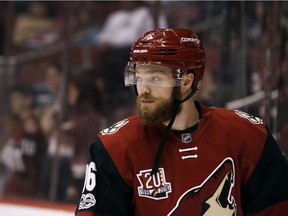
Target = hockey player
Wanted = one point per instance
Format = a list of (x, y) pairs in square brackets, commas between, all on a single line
[(179, 157)]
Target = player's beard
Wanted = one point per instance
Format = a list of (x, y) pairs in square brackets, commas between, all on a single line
[(160, 112)]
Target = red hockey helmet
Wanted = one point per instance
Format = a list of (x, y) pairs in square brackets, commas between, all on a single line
[(179, 49)]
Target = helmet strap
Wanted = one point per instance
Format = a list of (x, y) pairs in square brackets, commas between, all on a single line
[(135, 90), (192, 92), (176, 104), (156, 162)]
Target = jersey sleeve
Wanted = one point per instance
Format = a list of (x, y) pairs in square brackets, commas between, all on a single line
[(105, 192), (266, 191)]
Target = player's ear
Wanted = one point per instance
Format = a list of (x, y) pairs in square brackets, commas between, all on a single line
[(187, 81)]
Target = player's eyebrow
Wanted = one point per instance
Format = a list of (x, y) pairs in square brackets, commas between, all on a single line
[(152, 70)]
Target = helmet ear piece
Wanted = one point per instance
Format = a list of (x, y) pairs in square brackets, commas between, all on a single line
[(198, 73)]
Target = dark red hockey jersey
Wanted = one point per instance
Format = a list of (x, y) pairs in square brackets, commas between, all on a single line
[(229, 166)]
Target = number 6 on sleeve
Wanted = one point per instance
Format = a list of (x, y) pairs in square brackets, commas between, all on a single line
[(90, 177)]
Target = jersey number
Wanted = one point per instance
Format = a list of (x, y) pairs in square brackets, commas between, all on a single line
[(90, 177)]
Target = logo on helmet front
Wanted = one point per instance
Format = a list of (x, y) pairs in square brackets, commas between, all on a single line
[(193, 40)]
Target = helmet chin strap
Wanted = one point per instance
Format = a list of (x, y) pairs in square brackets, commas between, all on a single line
[(176, 105), (191, 93)]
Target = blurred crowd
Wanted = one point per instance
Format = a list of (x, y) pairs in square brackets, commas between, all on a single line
[(52, 109)]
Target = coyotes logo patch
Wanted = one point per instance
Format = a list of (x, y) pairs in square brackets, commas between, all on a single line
[(212, 197), (155, 186), (114, 128), (249, 117)]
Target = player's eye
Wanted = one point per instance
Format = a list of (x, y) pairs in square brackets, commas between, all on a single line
[(138, 79), (155, 79)]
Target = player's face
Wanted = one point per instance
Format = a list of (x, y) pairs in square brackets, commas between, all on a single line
[(154, 86)]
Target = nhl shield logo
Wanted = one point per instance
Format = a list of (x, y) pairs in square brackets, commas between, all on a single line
[(155, 186), (186, 137)]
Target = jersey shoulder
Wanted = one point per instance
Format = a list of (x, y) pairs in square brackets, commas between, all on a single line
[(125, 126), (236, 119), (122, 133), (235, 125)]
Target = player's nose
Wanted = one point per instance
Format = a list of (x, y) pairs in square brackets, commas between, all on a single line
[(143, 89)]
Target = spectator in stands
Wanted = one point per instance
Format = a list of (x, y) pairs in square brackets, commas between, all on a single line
[(70, 139), (86, 24), (23, 152), (49, 96), (125, 25), (35, 28), (7, 130), (257, 32)]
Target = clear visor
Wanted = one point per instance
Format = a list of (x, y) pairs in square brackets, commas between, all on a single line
[(151, 74)]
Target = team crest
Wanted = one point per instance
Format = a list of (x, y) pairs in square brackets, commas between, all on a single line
[(114, 128), (155, 186), (212, 197), (249, 117)]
